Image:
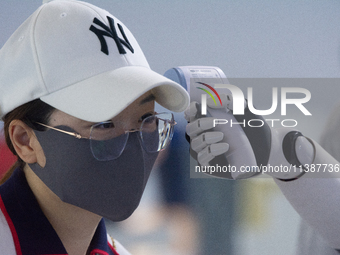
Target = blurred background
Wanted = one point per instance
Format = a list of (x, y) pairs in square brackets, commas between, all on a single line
[(246, 39)]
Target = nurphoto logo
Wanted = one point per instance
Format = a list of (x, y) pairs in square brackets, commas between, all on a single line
[(241, 104)]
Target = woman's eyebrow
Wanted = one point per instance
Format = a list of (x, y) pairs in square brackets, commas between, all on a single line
[(148, 99)]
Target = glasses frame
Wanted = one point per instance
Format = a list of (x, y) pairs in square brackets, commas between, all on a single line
[(172, 123), (75, 134)]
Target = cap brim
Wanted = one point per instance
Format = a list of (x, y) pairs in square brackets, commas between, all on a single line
[(103, 96)]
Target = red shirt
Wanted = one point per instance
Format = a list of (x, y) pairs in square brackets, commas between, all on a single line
[(7, 159)]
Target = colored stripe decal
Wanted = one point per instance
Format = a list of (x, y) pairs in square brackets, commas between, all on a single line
[(218, 96), (11, 227), (207, 91)]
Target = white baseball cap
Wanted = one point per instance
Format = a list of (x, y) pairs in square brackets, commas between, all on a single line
[(81, 60)]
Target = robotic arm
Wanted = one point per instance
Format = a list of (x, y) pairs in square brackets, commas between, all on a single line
[(306, 174)]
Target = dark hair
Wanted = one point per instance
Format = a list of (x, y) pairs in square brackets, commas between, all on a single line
[(30, 113)]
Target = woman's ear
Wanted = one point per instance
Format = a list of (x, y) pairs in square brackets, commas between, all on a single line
[(26, 143)]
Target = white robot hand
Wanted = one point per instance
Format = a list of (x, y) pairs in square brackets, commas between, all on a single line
[(210, 143), (284, 158), (204, 141)]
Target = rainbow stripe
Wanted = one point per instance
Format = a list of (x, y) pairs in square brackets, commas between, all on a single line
[(213, 90)]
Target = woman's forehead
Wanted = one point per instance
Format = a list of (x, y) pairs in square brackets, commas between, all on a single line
[(144, 102)]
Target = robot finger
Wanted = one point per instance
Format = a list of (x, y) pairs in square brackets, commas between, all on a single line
[(210, 152), (198, 126), (201, 141)]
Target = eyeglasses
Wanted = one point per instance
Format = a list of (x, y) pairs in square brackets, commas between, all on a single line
[(107, 143)]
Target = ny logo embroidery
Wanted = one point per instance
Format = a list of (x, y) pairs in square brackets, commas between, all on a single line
[(111, 32)]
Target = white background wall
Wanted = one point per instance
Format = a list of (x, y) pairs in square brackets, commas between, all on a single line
[(245, 38), (262, 38)]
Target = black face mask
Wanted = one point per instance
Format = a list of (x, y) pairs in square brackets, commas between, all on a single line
[(112, 189)]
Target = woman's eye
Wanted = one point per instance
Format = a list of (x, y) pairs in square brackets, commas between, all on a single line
[(146, 116), (104, 125)]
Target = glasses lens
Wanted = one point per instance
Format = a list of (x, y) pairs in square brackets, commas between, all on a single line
[(105, 143), (156, 131)]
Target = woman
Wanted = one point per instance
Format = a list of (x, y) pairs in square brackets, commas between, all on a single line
[(72, 70)]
